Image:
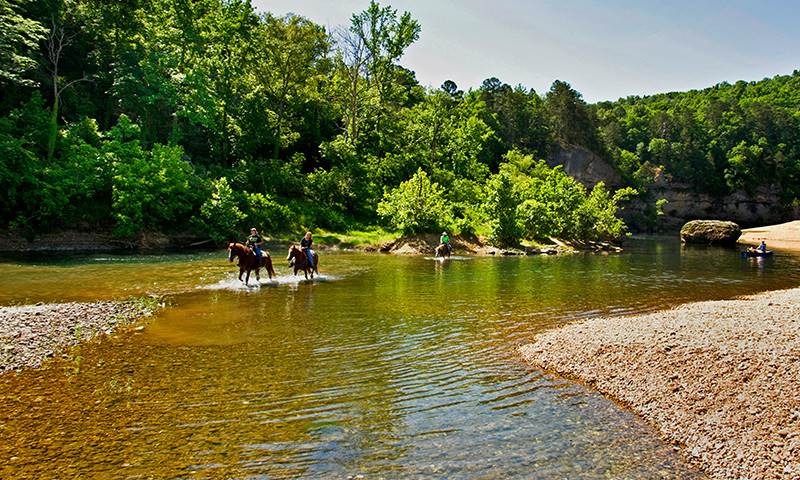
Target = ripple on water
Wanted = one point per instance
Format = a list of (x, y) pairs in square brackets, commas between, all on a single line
[(232, 283)]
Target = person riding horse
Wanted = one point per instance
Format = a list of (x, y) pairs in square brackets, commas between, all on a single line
[(254, 241), (445, 240), (305, 247), (250, 256)]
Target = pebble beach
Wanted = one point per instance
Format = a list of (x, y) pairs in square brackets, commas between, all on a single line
[(30, 334), (720, 380)]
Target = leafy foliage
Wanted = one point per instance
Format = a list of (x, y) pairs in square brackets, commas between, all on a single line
[(203, 114), (149, 188), (501, 207), (19, 37), (527, 199), (220, 214), (417, 205)]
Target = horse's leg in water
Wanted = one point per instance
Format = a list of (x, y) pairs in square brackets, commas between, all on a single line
[(258, 277), (247, 280)]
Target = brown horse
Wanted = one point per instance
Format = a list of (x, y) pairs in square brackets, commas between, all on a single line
[(442, 251), (299, 260), (248, 262)]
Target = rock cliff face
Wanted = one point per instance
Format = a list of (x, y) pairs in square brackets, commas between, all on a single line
[(762, 207), (585, 167)]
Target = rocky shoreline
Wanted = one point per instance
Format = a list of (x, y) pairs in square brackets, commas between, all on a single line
[(32, 333), (718, 379), (423, 244)]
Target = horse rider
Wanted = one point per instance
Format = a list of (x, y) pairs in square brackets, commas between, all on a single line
[(445, 240), (254, 241), (305, 247)]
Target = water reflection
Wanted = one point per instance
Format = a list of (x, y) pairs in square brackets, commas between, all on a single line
[(386, 367)]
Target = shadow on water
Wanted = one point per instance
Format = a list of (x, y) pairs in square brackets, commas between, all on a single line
[(386, 366)]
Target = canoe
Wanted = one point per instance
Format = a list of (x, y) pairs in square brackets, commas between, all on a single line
[(768, 253)]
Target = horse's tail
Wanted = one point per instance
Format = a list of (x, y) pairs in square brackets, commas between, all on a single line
[(267, 263)]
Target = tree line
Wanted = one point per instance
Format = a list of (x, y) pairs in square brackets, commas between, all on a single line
[(156, 115)]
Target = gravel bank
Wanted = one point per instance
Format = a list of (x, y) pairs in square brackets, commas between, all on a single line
[(30, 334), (720, 379)]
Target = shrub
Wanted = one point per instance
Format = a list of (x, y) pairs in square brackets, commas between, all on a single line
[(150, 189), (502, 201), (220, 215), (267, 213), (416, 206)]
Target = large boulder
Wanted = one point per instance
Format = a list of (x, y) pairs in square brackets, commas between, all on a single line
[(710, 232)]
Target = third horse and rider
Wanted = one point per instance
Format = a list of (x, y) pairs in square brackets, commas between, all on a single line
[(444, 248)]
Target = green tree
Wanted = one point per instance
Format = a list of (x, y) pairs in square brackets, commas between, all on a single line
[(745, 163), (501, 205), (385, 37), (542, 202), (220, 216), (23, 146), (267, 212), (417, 205), (366, 64), (596, 218), (570, 118), (519, 114), (289, 64), (150, 189)]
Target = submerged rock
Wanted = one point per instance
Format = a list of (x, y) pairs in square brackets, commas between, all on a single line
[(710, 232)]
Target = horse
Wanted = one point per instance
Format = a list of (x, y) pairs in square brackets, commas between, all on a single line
[(299, 260), (247, 261), (442, 251)]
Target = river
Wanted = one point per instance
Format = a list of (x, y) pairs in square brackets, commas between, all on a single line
[(384, 367)]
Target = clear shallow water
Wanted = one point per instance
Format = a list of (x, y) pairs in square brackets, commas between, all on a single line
[(386, 367)]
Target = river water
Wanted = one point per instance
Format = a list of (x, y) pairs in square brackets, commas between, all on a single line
[(384, 367)]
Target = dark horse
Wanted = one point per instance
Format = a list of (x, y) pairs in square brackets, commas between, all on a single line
[(248, 262), (299, 260), (442, 251)]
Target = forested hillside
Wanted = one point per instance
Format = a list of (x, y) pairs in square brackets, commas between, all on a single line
[(720, 139), (206, 115)]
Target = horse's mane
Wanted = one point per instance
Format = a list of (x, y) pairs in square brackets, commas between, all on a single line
[(240, 244)]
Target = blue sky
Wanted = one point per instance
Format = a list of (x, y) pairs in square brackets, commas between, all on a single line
[(604, 49)]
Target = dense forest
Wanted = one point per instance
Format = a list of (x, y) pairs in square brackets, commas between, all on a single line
[(207, 115)]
